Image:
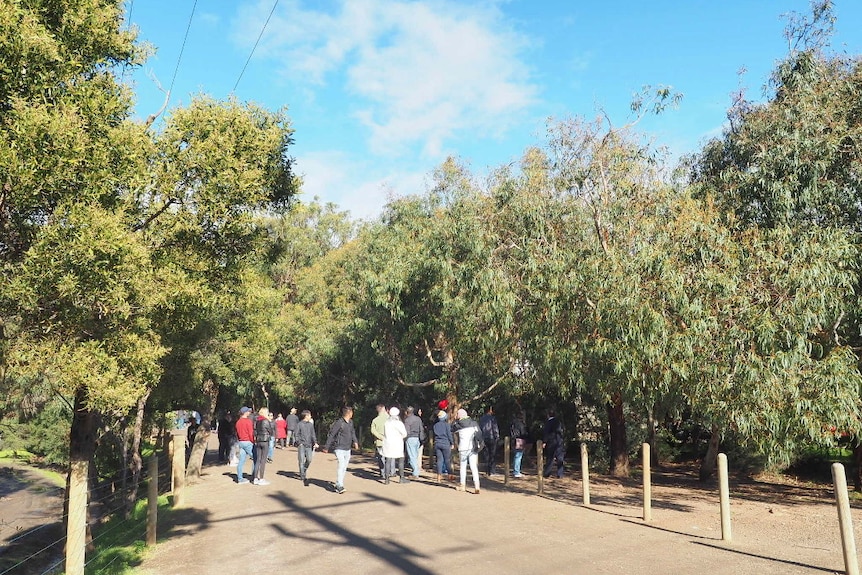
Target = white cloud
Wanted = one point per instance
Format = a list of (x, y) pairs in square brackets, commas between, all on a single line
[(415, 73), (352, 184)]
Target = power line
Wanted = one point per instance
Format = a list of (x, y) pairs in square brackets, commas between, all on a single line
[(182, 49), (271, 12)]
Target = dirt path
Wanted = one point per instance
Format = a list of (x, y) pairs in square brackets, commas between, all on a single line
[(424, 528)]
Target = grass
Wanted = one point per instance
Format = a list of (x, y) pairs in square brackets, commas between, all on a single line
[(120, 543), (19, 458)]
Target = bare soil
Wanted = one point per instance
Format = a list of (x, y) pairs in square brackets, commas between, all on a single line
[(429, 528)]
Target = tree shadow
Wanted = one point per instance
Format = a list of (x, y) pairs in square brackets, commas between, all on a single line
[(400, 558), (764, 557)]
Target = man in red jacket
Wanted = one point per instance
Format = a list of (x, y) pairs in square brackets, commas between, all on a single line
[(245, 441)]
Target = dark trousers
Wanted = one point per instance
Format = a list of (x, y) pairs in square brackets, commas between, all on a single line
[(223, 448), (554, 453), (261, 450), (490, 454), (443, 455)]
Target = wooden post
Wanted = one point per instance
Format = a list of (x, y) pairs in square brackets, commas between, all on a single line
[(152, 499), (724, 496), (585, 472), (506, 453), (76, 528), (848, 541), (647, 483), (540, 465), (178, 465)]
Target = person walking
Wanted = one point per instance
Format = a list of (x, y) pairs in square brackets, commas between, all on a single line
[(306, 443), (394, 434), (491, 435), (555, 446), (377, 431), (292, 423), (415, 437), (464, 429), (280, 432), (342, 436), (271, 450), (443, 443), (518, 433), (245, 441), (263, 432)]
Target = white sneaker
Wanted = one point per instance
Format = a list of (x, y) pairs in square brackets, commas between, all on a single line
[(262, 482), (255, 482)]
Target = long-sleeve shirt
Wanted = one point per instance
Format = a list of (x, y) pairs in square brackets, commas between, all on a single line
[(489, 427), (305, 434), (342, 436), (414, 427), (244, 429)]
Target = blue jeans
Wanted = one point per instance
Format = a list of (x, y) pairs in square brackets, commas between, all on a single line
[(412, 445), (271, 447), (519, 455), (343, 456), (246, 449), (304, 455)]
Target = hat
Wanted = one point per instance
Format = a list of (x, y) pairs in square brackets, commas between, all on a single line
[(462, 414), (443, 404), (442, 415), (244, 409), (394, 412)]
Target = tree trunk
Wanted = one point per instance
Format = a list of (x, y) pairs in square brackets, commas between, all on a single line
[(135, 463), (618, 439), (857, 464), (708, 465), (82, 447), (199, 448)]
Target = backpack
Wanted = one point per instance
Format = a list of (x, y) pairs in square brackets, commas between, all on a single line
[(478, 440)]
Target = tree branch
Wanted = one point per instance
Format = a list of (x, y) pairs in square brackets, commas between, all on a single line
[(418, 384)]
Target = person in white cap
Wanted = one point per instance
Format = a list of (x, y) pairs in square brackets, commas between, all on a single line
[(394, 434), (463, 430)]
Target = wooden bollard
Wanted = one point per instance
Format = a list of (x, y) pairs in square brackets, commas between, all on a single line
[(178, 465), (842, 499), (76, 528), (152, 499), (506, 454), (724, 496), (540, 466), (585, 472), (647, 483)]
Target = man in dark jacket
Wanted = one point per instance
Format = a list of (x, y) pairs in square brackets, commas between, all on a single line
[(491, 434), (342, 436), (415, 437), (306, 443), (555, 445), (292, 423)]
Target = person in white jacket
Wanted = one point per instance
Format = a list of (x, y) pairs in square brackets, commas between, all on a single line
[(463, 430), (394, 434)]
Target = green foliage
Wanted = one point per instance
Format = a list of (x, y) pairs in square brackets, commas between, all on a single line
[(119, 544)]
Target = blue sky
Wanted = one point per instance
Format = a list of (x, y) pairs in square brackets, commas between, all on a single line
[(381, 91)]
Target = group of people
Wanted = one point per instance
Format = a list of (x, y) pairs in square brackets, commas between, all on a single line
[(396, 440)]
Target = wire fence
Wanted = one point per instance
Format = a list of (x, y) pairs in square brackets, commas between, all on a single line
[(115, 520)]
